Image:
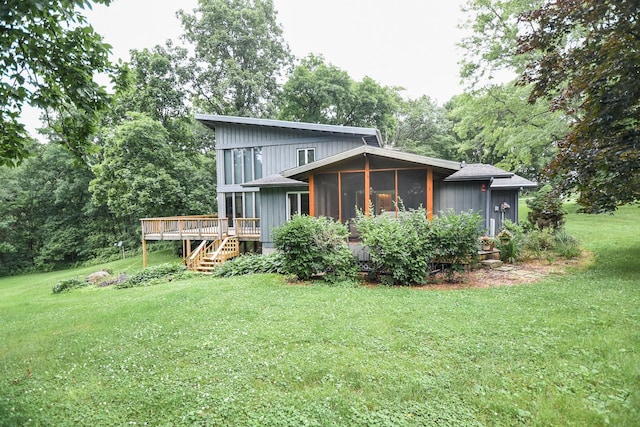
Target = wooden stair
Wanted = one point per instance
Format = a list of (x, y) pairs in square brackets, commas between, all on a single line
[(208, 256)]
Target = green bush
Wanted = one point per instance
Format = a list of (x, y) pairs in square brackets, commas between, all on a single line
[(567, 246), (398, 247), (68, 284), (405, 247), (250, 264), (546, 209), (546, 243), (153, 275), (454, 239), (511, 249), (311, 246)]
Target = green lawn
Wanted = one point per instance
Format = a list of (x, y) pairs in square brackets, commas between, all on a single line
[(257, 351)]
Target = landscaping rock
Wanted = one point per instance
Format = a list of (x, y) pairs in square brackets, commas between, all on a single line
[(492, 263), (98, 276)]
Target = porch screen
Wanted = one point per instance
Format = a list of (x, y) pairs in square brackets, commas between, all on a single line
[(383, 191), (352, 188), (326, 195), (412, 188)]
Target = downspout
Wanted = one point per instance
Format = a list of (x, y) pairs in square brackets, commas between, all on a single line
[(487, 217)]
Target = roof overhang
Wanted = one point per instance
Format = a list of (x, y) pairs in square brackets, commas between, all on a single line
[(365, 150), (514, 182), (370, 136), (478, 172), (275, 181)]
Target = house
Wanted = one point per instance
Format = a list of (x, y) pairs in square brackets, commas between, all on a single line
[(269, 170)]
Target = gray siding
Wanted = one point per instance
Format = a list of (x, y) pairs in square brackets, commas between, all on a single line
[(274, 212), (460, 196), (497, 198)]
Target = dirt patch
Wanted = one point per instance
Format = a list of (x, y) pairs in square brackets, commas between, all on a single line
[(526, 272)]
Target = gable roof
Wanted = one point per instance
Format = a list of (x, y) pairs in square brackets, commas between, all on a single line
[(370, 136), (376, 151)]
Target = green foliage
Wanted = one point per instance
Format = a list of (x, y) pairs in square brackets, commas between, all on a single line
[(238, 56), (251, 264), (310, 246), (48, 57), (405, 247), (398, 247), (154, 275), (566, 245), (454, 238), (546, 210), (584, 56), (495, 125), (424, 128), (69, 284), (321, 93)]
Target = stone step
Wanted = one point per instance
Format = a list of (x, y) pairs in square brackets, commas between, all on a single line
[(491, 263)]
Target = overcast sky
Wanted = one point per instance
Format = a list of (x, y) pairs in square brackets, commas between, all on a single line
[(407, 43)]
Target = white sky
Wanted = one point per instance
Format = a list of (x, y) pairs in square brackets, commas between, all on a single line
[(407, 43)]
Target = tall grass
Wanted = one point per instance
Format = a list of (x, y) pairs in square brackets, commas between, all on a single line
[(257, 351)]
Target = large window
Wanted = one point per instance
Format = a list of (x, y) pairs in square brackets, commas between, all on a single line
[(306, 155), (297, 204), (242, 165), (242, 205)]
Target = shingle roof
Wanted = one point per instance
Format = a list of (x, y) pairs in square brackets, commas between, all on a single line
[(276, 180), (371, 136), (478, 171), (515, 181)]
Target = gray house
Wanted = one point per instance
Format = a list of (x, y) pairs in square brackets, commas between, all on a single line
[(269, 170)]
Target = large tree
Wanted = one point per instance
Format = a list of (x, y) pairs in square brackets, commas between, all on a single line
[(496, 125), (48, 57), (318, 92), (239, 55), (585, 56), (424, 128)]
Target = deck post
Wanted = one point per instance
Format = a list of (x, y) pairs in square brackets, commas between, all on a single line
[(144, 253)]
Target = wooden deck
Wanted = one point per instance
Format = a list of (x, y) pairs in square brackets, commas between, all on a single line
[(199, 228)]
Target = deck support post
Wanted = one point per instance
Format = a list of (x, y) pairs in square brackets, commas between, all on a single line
[(144, 253)]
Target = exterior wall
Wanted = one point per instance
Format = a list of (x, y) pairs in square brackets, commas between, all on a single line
[(497, 198), (274, 213), (460, 196), (279, 152)]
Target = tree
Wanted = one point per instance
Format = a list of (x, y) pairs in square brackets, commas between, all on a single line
[(585, 57), (496, 125), (48, 57), (321, 93), (239, 55), (424, 128)]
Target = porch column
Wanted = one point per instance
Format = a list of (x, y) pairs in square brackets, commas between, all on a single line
[(430, 193), (367, 186), (312, 199)]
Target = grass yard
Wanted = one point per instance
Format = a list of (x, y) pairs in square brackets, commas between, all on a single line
[(257, 351)]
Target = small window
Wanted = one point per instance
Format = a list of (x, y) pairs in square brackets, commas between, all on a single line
[(306, 155), (297, 204)]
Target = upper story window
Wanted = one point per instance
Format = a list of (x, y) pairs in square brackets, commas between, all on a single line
[(306, 155), (242, 165)]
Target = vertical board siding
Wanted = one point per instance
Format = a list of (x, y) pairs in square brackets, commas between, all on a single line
[(460, 196), (499, 196)]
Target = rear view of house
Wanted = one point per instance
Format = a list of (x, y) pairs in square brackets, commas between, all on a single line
[(269, 170)]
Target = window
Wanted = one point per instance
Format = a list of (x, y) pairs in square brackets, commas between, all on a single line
[(242, 165), (242, 205), (297, 204), (306, 155)]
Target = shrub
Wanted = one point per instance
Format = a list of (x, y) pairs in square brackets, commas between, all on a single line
[(68, 284), (510, 249), (398, 247), (546, 209), (250, 264), (310, 246), (567, 246), (454, 239), (153, 275)]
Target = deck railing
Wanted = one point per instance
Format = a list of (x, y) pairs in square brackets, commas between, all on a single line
[(204, 227)]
